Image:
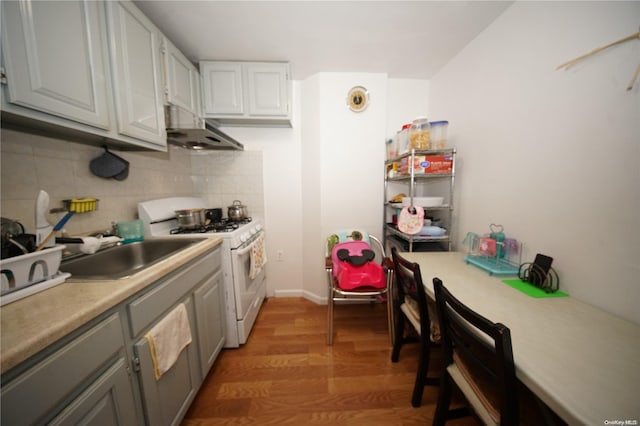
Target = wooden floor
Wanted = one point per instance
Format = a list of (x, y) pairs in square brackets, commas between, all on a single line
[(286, 374)]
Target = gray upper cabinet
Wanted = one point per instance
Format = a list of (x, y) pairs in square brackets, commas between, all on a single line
[(85, 70), (137, 73), (56, 59), (182, 80), (247, 93)]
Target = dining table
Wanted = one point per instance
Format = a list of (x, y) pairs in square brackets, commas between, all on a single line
[(581, 361)]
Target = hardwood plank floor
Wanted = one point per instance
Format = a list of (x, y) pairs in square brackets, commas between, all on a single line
[(286, 374)]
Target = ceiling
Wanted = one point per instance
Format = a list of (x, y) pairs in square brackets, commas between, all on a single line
[(405, 39)]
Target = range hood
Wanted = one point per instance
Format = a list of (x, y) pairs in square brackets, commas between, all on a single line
[(190, 132)]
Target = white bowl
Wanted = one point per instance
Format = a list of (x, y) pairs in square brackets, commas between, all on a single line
[(423, 201)]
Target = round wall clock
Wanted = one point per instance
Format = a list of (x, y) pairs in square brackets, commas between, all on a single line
[(358, 99)]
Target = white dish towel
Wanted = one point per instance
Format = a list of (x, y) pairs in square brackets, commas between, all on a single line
[(258, 257), (168, 338)]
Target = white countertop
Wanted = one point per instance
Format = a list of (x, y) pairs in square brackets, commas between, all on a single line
[(33, 323), (581, 361)]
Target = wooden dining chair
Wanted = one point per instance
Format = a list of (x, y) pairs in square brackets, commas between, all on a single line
[(478, 358), (410, 306)]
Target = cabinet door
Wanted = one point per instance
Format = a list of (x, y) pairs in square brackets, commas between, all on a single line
[(268, 89), (108, 401), (46, 387), (135, 55), (166, 401), (182, 79), (222, 87), (56, 59), (210, 320)]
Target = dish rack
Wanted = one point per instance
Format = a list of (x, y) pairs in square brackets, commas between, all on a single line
[(494, 251)]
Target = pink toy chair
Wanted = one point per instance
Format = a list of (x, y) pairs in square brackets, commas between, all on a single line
[(357, 269)]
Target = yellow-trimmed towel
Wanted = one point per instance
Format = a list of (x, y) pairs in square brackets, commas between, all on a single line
[(168, 338), (258, 257)]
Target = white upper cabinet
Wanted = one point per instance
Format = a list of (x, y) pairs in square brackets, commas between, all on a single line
[(268, 89), (222, 87), (137, 81), (182, 79), (56, 59), (83, 70), (247, 93)]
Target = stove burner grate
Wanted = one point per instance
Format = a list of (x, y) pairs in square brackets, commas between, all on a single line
[(225, 225)]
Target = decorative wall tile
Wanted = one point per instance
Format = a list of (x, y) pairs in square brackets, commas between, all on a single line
[(32, 162)]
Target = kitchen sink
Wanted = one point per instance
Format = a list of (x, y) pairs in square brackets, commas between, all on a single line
[(124, 260)]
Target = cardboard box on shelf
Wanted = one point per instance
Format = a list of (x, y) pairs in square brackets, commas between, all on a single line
[(428, 164)]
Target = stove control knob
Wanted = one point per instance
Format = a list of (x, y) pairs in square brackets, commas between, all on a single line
[(253, 231), (258, 227), (244, 237)]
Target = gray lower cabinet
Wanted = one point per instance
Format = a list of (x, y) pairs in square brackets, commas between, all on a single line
[(102, 374), (210, 320), (85, 381), (108, 401), (165, 401)]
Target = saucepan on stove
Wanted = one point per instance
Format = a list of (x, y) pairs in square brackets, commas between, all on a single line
[(190, 218), (213, 215), (237, 211)]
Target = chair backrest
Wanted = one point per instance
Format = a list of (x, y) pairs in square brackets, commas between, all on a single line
[(409, 287), (355, 235), (481, 349)]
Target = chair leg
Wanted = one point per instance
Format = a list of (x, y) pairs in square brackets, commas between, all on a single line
[(390, 322), (390, 309), (423, 370), (399, 336), (444, 398), (330, 318)]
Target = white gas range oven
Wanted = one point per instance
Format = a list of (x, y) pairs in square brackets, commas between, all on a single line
[(244, 293)]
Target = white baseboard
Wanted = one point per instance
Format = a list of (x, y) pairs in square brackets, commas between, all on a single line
[(302, 293)]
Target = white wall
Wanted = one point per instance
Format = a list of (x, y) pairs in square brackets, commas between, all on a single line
[(351, 157), (552, 155), (281, 158), (326, 172)]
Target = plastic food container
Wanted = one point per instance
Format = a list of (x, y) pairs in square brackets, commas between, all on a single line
[(420, 134), (403, 139), (130, 231), (392, 146), (439, 134), (31, 268)]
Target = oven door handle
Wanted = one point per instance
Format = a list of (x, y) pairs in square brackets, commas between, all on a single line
[(247, 249)]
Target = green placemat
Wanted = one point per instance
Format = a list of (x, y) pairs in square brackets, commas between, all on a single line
[(531, 290)]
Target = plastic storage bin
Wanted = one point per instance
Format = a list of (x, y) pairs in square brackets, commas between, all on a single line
[(439, 134), (420, 134), (392, 146), (130, 231), (403, 139)]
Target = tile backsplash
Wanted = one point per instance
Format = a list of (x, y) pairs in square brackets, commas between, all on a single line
[(32, 162)]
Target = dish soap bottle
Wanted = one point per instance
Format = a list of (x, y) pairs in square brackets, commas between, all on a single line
[(43, 227)]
